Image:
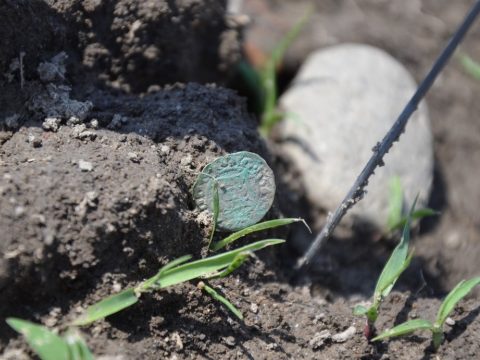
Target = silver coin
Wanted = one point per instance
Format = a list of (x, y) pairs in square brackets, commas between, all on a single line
[(246, 188)]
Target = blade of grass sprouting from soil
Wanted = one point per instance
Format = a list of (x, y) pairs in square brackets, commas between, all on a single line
[(202, 267), (471, 66), (396, 263), (357, 190), (405, 329), (78, 349), (462, 289), (151, 283), (46, 344), (175, 263), (234, 265), (254, 228), (417, 215), (395, 276), (359, 310), (214, 294), (268, 76), (216, 210), (395, 203), (107, 307)]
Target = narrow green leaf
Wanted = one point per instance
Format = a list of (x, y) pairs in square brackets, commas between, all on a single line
[(175, 263), (417, 215), (471, 66), (214, 294), (151, 283), (395, 203), (397, 275), (405, 329), (78, 349), (254, 228), (458, 293), (268, 76), (46, 344), (234, 265), (396, 262), (107, 307), (202, 267), (359, 310)]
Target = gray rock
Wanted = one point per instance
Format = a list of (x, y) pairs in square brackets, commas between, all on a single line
[(346, 98)]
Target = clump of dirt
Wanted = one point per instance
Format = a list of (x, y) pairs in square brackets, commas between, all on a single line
[(125, 44), (87, 197), (136, 44)]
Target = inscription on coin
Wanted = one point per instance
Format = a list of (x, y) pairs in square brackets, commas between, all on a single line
[(246, 188)]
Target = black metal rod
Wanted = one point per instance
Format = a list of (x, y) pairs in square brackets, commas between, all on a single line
[(357, 191)]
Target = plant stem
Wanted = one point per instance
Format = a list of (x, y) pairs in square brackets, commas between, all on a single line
[(357, 191), (437, 337)]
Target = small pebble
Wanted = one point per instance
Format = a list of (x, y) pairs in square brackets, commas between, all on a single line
[(73, 120), (317, 341), (178, 341), (254, 308), (318, 318), (51, 124), (35, 141), (449, 321), (133, 157), (344, 335), (77, 129), (229, 340), (85, 165), (272, 346), (186, 160), (87, 134), (94, 124), (164, 149), (19, 211)]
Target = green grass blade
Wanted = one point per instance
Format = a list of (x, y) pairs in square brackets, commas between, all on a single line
[(396, 262), (77, 346), (175, 263), (202, 267), (417, 215), (234, 265), (405, 329), (269, 80), (254, 228), (214, 294), (359, 310), (107, 307), (151, 283), (458, 293), (395, 203), (395, 276), (46, 344), (471, 66)]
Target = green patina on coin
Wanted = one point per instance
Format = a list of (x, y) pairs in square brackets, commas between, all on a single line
[(246, 188)]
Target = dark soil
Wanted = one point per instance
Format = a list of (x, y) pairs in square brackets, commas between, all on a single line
[(101, 202)]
